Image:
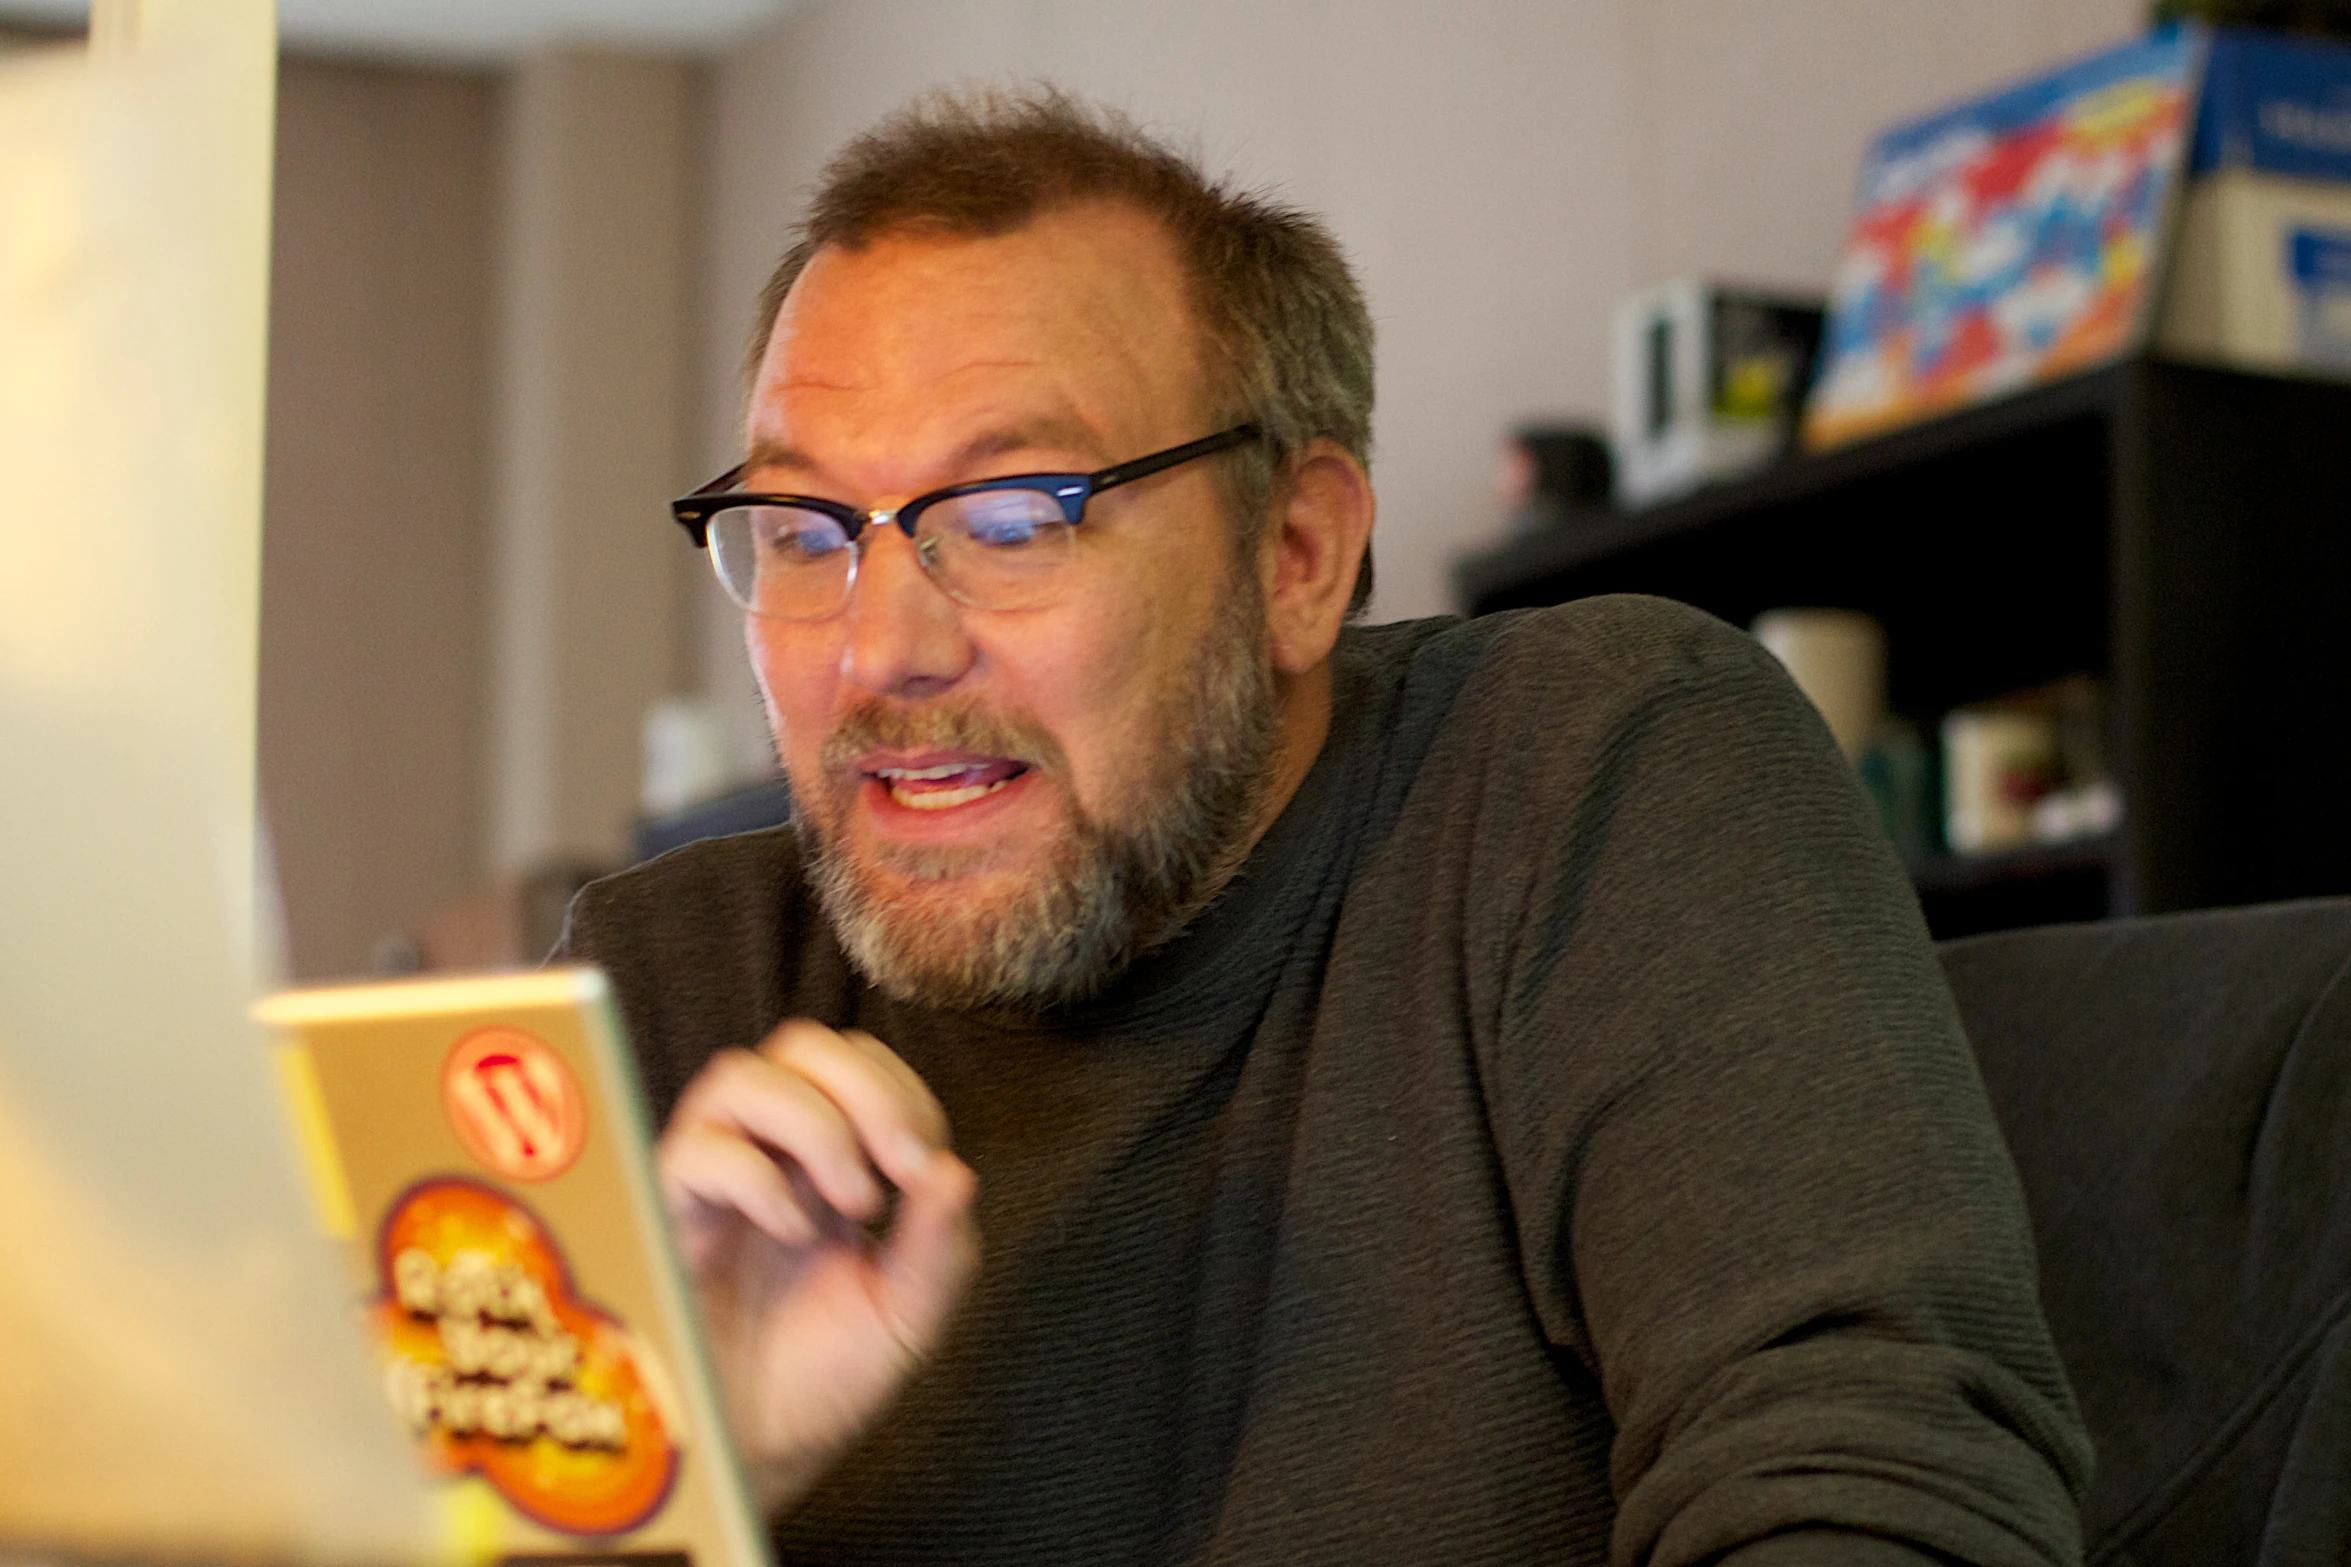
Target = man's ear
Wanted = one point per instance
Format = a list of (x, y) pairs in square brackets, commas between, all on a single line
[(1312, 550)]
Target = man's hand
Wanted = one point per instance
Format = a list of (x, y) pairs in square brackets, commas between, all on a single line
[(769, 1166)]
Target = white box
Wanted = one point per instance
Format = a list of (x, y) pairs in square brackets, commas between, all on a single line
[(2261, 274), (1708, 381)]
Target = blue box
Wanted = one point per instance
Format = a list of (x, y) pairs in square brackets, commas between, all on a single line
[(2275, 102)]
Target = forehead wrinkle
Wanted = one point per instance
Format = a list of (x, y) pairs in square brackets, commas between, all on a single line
[(1061, 431), (802, 381), (1050, 418)]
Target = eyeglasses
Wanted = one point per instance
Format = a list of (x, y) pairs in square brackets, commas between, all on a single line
[(991, 544)]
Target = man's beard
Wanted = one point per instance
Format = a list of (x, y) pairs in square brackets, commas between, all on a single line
[(1109, 892)]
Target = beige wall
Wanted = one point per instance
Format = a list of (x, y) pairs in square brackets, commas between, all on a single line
[(1501, 170), (375, 550), (588, 579)]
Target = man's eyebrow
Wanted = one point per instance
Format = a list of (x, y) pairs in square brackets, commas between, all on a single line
[(1055, 432), (769, 453)]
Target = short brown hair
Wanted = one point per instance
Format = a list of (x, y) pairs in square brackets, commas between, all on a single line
[(1287, 338)]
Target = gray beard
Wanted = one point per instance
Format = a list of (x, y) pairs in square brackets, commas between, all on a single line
[(1112, 891)]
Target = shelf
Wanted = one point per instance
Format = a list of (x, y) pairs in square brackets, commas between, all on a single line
[(2043, 884), (1507, 571), (1968, 872), (1980, 541)]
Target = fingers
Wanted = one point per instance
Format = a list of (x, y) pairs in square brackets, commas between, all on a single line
[(780, 1134), (931, 1251), (762, 1105), (898, 1121), (718, 1169)]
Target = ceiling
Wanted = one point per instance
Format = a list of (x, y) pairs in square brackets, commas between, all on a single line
[(483, 32)]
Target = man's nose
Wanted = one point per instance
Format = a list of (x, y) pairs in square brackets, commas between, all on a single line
[(905, 636)]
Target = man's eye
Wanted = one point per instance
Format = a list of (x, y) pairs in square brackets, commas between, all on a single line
[(799, 536), (1006, 519)]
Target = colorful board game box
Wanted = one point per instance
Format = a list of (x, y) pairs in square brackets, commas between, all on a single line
[(2007, 241)]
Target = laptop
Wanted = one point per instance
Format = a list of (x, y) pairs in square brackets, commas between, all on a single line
[(481, 1143)]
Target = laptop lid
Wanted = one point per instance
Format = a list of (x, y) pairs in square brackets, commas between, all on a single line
[(481, 1143)]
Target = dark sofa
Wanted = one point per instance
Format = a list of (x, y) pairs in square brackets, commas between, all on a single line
[(2177, 1091)]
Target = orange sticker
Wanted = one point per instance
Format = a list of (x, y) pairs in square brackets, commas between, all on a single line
[(501, 1370), (514, 1104)]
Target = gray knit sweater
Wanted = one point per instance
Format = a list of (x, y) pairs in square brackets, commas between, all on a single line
[(1557, 1145)]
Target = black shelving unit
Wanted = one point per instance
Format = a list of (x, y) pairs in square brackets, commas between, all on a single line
[(2183, 532)]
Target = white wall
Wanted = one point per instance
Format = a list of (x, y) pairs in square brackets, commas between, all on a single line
[(1500, 170)]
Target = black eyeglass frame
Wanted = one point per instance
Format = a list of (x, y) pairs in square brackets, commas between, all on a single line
[(1071, 490)]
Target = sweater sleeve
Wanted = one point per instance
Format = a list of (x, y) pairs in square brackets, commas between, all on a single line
[(1757, 1184)]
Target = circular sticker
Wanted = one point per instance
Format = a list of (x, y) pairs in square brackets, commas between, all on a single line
[(514, 1104)]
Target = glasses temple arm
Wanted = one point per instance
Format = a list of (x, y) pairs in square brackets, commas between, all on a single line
[(1144, 467), (690, 517)]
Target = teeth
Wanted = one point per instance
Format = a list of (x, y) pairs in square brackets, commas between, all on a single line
[(943, 799), (947, 770)]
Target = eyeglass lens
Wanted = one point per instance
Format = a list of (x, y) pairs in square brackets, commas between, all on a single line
[(991, 549)]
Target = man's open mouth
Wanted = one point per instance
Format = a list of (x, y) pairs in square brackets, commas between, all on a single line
[(946, 785)]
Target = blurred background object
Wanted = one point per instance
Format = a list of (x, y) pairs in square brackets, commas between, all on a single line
[(2322, 18), (1903, 777), (2012, 239), (1837, 657), (2028, 768), (433, 33), (1997, 761), (1709, 384), (2262, 261), (687, 755), (765, 803), (1553, 476), (180, 1379), (509, 922)]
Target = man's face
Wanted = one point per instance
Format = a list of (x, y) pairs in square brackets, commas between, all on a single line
[(1007, 804)]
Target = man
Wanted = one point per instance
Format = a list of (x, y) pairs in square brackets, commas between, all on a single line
[(1450, 1091)]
